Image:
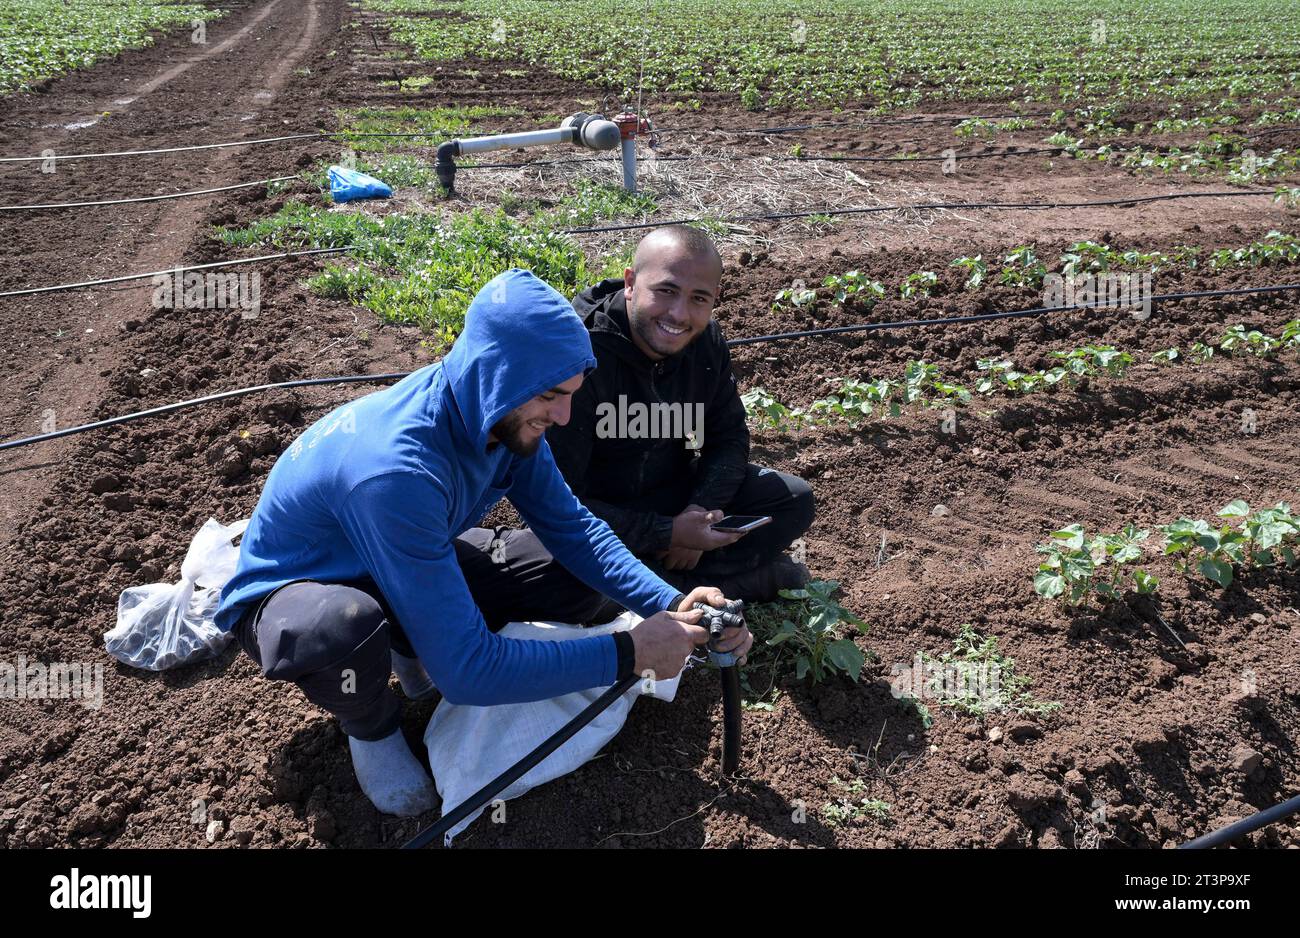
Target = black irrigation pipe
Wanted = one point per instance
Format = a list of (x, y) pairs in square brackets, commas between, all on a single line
[(837, 330), (203, 146), (997, 154), (182, 405), (235, 143), (146, 198), (1244, 826), (986, 317), (775, 159), (928, 206), (682, 221), (172, 270), (317, 135)]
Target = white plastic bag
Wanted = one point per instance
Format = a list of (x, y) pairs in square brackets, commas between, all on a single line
[(165, 625), (470, 746)]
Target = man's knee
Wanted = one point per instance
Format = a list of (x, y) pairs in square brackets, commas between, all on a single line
[(309, 627), (803, 505)]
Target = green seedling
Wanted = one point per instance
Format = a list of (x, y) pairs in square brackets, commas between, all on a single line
[(1213, 550), (1121, 550), (1001, 374), (1275, 248), (813, 630), (798, 297), (765, 411), (1085, 257), (1167, 357), (1272, 534), (921, 283), (854, 284), (844, 810), (855, 400), (976, 270), (1067, 572), (1022, 268), (1093, 358), (1239, 339)]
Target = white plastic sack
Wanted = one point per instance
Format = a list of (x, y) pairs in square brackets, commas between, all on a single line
[(470, 746), (166, 625)]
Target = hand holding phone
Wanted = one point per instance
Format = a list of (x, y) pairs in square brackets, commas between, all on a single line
[(694, 529), (741, 524)]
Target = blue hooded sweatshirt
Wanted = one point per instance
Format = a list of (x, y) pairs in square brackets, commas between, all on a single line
[(380, 487)]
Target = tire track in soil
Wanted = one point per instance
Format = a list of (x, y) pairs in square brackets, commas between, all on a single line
[(130, 757), (62, 389)]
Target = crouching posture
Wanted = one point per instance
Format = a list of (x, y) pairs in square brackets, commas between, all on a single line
[(361, 558), (657, 445)]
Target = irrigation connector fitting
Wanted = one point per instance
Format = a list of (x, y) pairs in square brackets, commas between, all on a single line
[(629, 125), (592, 131), (716, 619)]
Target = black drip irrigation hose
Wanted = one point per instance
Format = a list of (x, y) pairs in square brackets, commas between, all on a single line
[(316, 135), (731, 343), (829, 158), (929, 206), (515, 772), (1244, 826), (27, 291), (781, 216), (716, 620), (144, 198), (182, 405), (987, 317)]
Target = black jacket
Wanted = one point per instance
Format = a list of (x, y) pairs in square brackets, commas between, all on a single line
[(610, 474)]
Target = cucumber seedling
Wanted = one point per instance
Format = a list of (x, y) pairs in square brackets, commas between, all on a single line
[(812, 630), (856, 285), (1213, 550), (1073, 561), (1239, 339), (921, 283), (976, 270)]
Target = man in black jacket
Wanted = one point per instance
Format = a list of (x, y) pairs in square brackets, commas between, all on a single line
[(657, 445)]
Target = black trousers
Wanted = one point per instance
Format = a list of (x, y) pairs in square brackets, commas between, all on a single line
[(787, 498), (334, 640)]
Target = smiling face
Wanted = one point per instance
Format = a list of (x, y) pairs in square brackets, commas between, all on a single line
[(670, 296), (521, 430)]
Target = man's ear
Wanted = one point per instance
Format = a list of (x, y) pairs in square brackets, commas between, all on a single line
[(629, 275)]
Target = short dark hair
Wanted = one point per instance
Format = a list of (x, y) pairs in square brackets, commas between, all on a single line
[(687, 237)]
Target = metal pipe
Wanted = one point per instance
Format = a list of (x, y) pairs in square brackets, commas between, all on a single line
[(581, 129), (527, 138)]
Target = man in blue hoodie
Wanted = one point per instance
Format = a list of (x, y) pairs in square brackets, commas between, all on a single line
[(351, 567)]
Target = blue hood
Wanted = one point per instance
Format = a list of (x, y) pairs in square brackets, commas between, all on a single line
[(521, 338)]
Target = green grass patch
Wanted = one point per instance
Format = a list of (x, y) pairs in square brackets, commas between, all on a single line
[(418, 269)]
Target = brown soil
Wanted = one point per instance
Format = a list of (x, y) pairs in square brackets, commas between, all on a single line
[(1150, 731)]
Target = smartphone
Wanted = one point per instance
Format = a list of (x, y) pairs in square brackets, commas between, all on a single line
[(740, 523)]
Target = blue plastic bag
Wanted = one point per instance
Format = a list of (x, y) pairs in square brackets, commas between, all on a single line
[(348, 184)]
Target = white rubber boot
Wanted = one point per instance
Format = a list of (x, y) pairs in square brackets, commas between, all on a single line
[(391, 776)]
